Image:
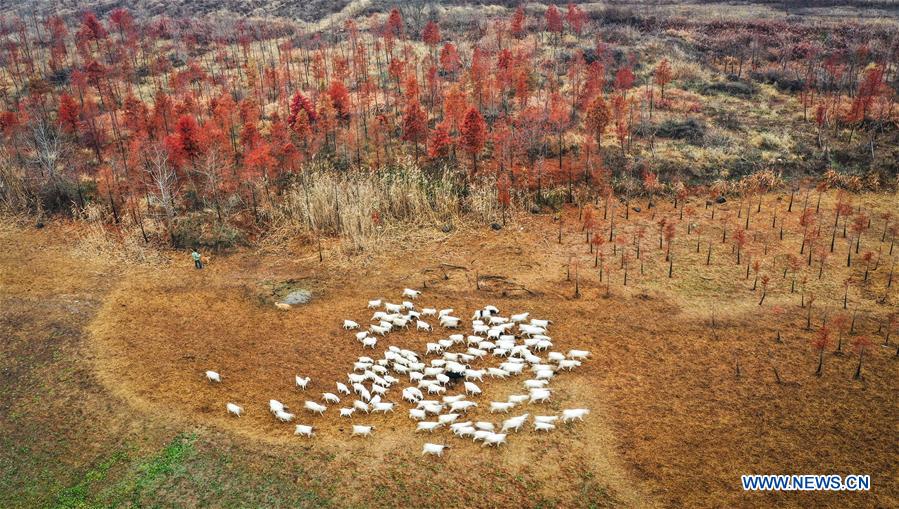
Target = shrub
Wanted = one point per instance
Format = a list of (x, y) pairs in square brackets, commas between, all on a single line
[(690, 130), (143, 72), (728, 120), (618, 15), (771, 142), (176, 61), (735, 88), (778, 79), (690, 75), (554, 198), (200, 229), (59, 196), (60, 77)]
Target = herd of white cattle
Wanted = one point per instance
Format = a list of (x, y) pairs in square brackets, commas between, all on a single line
[(492, 334)]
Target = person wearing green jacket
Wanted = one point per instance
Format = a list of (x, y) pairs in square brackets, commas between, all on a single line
[(198, 261)]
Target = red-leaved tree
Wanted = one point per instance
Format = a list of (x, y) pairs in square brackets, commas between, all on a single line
[(820, 342), (415, 125), (598, 119), (440, 142), (663, 76), (68, 114), (473, 135)]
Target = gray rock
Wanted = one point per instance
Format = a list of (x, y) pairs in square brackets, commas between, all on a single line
[(496, 226), (298, 297), (720, 199), (447, 228)]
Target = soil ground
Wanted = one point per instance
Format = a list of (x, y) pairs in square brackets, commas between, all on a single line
[(104, 400)]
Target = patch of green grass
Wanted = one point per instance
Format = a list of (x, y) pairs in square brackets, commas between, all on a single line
[(190, 470), (76, 496), (133, 488), (545, 503), (167, 462), (593, 492)]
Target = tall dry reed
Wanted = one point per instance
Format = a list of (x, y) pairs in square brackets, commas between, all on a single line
[(363, 205)]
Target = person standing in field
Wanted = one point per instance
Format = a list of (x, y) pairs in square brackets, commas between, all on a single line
[(198, 261)]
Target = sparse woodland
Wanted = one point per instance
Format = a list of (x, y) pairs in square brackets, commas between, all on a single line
[(213, 132)]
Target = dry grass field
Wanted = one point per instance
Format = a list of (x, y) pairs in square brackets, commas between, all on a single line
[(105, 403)]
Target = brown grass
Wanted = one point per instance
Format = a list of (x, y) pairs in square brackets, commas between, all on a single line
[(259, 362), (367, 208), (123, 245), (671, 424)]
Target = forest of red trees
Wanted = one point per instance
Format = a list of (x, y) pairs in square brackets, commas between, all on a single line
[(164, 117)]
